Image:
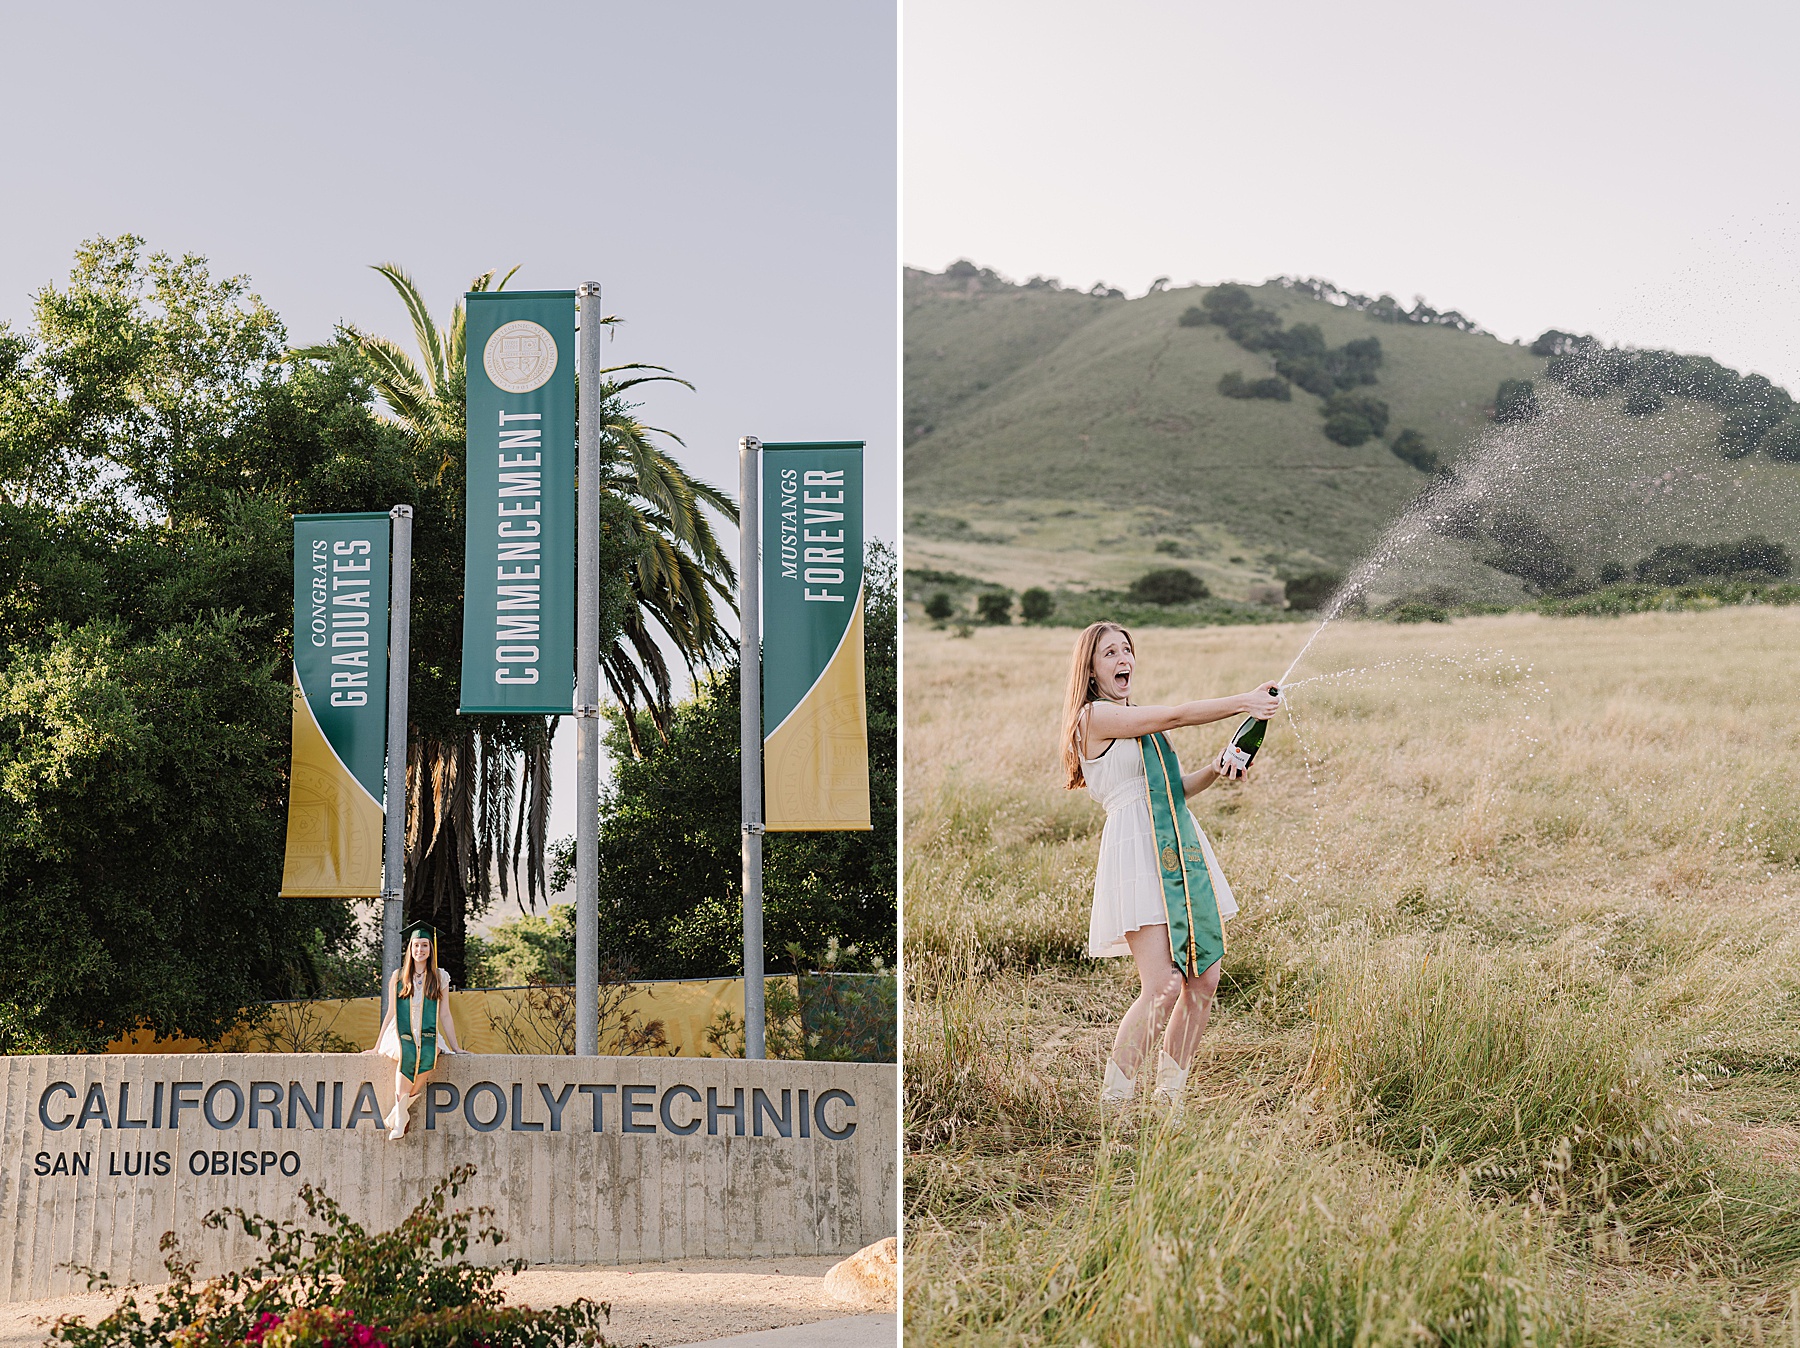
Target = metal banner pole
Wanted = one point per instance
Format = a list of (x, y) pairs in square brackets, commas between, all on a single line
[(393, 840), (750, 730), (587, 679)]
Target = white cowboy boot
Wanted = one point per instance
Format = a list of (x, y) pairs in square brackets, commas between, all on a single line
[(1117, 1090), (1171, 1082), (401, 1115)]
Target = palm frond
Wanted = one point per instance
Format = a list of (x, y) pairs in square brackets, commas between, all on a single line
[(431, 346), (400, 385)]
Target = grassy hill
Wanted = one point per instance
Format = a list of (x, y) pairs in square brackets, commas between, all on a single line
[(1075, 441)]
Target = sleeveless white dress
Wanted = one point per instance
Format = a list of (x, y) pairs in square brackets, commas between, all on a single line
[(388, 1045), (1128, 881)]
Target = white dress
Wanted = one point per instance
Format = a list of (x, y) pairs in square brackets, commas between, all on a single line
[(1128, 890), (388, 1045)]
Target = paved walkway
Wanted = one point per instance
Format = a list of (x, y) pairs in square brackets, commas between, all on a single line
[(855, 1331)]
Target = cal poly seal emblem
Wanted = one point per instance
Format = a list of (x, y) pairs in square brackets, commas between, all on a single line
[(520, 356), (1171, 860)]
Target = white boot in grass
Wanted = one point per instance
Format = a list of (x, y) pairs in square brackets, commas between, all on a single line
[(1117, 1091), (1171, 1083)]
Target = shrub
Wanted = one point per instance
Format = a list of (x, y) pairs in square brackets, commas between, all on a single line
[(1410, 448), (995, 606), (1415, 612), (1172, 585), (1311, 590), (939, 607), (317, 1288), (1234, 385), (1515, 401), (1353, 418), (1745, 558), (1193, 317), (1035, 604)]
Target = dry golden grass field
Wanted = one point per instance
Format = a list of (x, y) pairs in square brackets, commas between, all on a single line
[(1508, 1044)]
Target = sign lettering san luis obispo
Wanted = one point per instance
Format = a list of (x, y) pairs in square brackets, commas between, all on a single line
[(585, 1160)]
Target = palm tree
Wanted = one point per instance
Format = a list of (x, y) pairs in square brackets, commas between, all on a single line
[(463, 779)]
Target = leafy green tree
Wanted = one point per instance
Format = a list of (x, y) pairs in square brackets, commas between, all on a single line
[(1193, 317), (1170, 585), (1782, 441), (1753, 557), (666, 579), (1515, 401), (1521, 546), (1643, 398), (670, 879), (153, 443), (1035, 605), (1352, 419), (994, 606), (940, 607), (1234, 385), (1410, 448), (1310, 590)]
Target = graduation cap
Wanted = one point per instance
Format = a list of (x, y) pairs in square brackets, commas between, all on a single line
[(423, 929)]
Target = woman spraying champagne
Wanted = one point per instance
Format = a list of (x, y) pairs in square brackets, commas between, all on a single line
[(1159, 894)]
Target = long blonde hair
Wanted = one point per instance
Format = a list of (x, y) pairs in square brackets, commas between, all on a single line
[(434, 981), (1082, 690)]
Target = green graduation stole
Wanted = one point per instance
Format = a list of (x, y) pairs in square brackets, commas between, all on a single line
[(422, 1056), (1196, 936)]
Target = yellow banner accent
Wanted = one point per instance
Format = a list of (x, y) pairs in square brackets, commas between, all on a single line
[(334, 825), (816, 763), (685, 1007)]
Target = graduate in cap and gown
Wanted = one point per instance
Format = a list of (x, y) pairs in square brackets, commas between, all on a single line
[(419, 1026)]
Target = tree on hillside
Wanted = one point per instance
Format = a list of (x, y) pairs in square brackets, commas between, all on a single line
[(1410, 448), (670, 878), (665, 576), (1353, 418), (1515, 401), (1170, 585)]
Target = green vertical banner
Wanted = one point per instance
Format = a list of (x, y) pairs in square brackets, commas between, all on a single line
[(815, 717), (337, 784), (519, 554)]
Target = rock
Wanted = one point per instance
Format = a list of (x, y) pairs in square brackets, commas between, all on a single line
[(868, 1279)]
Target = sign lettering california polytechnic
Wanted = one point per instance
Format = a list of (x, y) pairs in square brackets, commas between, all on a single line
[(339, 772), (519, 551), (815, 720)]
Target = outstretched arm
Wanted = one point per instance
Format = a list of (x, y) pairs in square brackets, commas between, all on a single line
[(1114, 721)]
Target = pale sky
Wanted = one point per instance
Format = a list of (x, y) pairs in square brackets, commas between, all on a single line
[(725, 171), (1623, 169)]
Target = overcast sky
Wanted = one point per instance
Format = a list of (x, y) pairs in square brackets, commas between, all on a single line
[(726, 171), (1623, 169)]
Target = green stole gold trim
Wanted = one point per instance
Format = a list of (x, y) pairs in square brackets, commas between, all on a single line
[(419, 1057), (1196, 935)]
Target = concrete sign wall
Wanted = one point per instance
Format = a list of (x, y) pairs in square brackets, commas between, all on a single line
[(596, 1160)]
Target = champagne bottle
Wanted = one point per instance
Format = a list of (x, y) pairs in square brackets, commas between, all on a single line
[(1248, 738)]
